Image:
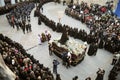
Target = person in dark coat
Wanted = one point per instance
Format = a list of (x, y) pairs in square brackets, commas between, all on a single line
[(116, 57), (95, 48), (58, 77), (64, 37), (101, 43), (64, 2), (29, 27), (17, 24), (55, 64), (100, 74), (42, 9), (91, 49), (75, 78), (39, 20), (50, 49), (23, 27)]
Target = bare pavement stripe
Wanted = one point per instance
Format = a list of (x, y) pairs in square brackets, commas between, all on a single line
[(32, 47)]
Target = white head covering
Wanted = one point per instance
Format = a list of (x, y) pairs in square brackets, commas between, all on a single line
[(69, 54), (85, 43)]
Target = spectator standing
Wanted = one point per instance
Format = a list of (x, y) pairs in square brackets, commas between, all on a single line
[(55, 64), (50, 48), (58, 77), (116, 57), (42, 9), (64, 2), (40, 42), (100, 74), (39, 20), (75, 78)]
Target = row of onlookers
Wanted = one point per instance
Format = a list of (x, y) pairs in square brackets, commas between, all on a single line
[(24, 65), (8, 7), (19, 17), (102, 22)]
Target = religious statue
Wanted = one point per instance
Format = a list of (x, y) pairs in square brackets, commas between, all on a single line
[(64, 37)]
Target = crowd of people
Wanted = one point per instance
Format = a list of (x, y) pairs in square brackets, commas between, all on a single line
[(23, 65), (103, 24), (19, 17), (9, 7), (73, 32), (103, 38), (6, 9), (104, 32)]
